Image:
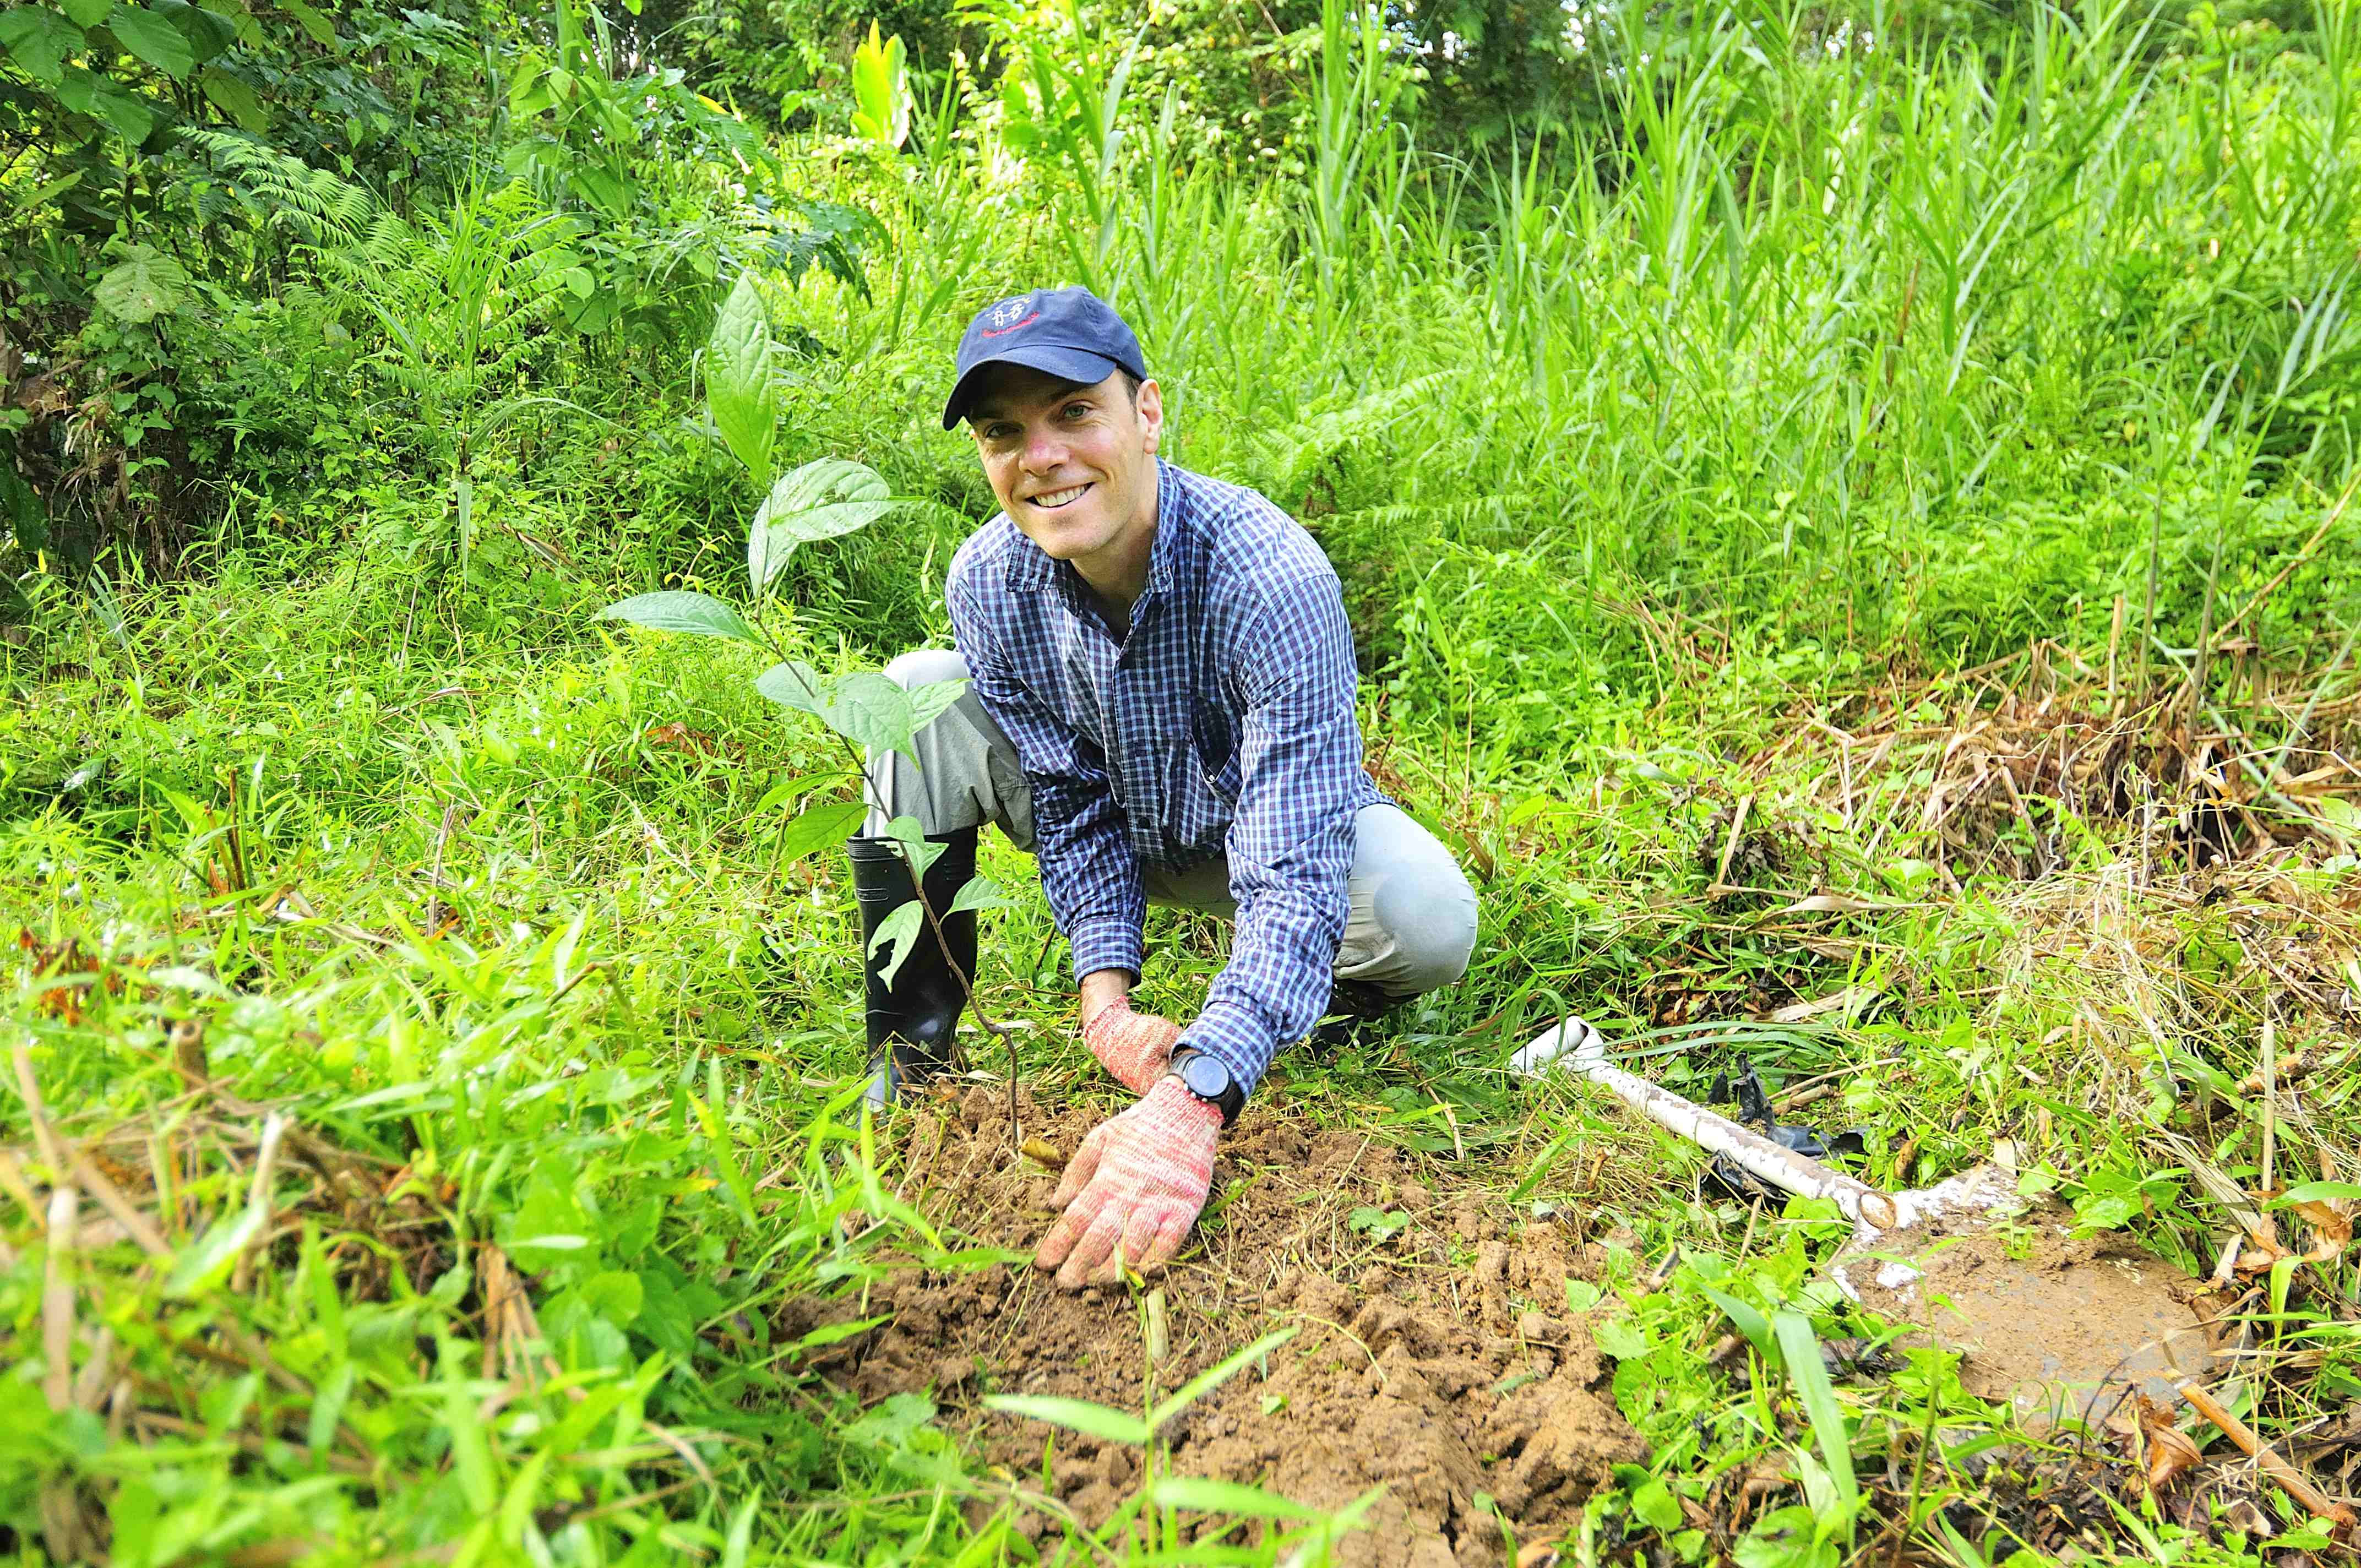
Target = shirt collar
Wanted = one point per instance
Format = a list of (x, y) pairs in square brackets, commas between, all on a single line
[(1031, 570)]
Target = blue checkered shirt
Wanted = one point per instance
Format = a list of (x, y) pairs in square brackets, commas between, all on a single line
[(1222, 724)]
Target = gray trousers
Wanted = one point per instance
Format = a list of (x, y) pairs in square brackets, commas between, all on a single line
[(1413, 920)]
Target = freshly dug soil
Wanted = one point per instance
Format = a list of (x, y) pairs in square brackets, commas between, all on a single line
[(1436, 1355)]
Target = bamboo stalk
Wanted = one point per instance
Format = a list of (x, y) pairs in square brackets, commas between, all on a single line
[(2291, 1480)]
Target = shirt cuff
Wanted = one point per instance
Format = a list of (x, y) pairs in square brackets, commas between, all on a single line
[(1230, 1033), (1106, 941)]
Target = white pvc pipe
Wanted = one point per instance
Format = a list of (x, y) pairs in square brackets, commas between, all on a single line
[(1576, 1047)]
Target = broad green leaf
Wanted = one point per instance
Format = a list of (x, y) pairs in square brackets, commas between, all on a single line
[(86, 93), (821, 824), (898, 929), (1212, 1377), (87, 13), (210, 1256), (979, 893), (1202, 1494), (153, 39), (1076, 1415), (932, 701), (675, 610), (38, 40), (235, 99), (820, 501), (1655, 1503), (793, 684), (917, 847), (323, 31), (738, 386), (1801, 1350), (145, 284), (870, 711)]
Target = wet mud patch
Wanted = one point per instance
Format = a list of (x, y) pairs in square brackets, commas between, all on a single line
[(1436, 1353)]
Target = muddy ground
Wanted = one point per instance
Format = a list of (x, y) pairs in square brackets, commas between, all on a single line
[(1436, 1354)]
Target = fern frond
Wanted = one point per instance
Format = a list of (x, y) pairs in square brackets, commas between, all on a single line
[(280, 191)]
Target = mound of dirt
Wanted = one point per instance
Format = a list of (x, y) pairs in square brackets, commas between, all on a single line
[(1436, 1355)]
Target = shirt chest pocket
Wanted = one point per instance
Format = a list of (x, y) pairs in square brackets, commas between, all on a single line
[(1214, 740)]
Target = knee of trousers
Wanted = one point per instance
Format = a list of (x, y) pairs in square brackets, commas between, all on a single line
[(924, 666), (1430, 924)]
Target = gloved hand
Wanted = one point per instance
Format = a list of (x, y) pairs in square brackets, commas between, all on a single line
[(1135, 1047), (1132, 1189)]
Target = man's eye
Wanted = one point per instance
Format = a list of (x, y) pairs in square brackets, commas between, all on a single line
[(1077, 411)]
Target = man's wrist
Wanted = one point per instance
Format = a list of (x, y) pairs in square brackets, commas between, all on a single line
[(1209, 1080)]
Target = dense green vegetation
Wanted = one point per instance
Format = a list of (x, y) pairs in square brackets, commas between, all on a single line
[(1836, 508)]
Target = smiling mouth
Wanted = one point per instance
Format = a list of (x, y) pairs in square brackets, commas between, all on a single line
[(1052, 501)]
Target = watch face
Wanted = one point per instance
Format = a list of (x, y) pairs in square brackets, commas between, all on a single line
[(1207, 1079)]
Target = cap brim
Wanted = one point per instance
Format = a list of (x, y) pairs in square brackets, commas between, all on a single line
[(1079, 365)]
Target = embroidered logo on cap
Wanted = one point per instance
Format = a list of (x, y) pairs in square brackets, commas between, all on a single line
[(1010, 314)]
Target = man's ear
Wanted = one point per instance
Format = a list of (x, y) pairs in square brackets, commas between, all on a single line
[(1150, 404)]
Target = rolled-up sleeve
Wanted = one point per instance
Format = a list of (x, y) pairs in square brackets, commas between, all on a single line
[(1291, 841), (1088, 871)]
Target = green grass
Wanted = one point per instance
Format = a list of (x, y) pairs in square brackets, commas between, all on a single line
[(1836, 377)]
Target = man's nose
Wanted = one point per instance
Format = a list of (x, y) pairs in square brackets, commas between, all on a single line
[(1045, 449)]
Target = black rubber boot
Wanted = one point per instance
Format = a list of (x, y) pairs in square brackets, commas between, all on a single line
[(914, 1022), (1351, 1004)]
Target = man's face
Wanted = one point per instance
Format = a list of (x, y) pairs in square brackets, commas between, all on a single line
[(1074, 467)]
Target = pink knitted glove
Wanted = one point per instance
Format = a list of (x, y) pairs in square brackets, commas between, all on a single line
[(1132, 1189), (1135, 1047)]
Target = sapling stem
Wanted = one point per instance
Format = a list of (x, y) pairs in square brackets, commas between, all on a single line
[(918, 889)]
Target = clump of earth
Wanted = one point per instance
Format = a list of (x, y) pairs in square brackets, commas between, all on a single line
[(1436, 1354)]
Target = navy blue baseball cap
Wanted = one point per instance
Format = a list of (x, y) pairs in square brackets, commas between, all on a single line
[(1071, 334)]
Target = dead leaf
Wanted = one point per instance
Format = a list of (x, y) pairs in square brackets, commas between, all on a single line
[(2171, 1453)]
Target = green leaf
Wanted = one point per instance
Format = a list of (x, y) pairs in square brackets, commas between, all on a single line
[(880, 91), (820, 825), (329, 1406), (675, 610), (201, 1268), (979, 893), (739, 388), (820, 501), (899, 929), (87, 13), (86, 93), (153, 39), (42, 193), (1213, 1378), (918, 849), (793, 684), (38, 40), (1801, 1350), (2318, 1192), (1617, 1337), (1746, 1319), (870, 711), (1202, 1494), (1657, 1508), (235, 99), (1076, 1415), (145, 284), (323, 31), (791, 789), (1582, 1296), (932, 701)]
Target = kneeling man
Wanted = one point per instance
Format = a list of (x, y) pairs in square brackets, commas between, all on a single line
[(1160, 709)]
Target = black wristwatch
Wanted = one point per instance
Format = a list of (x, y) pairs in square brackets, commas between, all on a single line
[(1209, 1080)]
